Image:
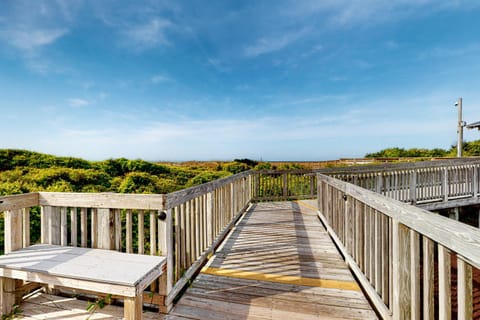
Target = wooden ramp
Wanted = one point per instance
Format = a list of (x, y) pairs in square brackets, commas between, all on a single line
[(278, 263)]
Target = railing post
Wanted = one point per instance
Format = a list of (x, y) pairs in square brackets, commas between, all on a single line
[(464, 296), (445, 184), (401, 272), (166, 280), (285, 185), (106, 230), (379, 183), (413, 187), (475, 169)]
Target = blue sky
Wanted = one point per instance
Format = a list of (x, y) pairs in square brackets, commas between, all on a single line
[(217, 80)]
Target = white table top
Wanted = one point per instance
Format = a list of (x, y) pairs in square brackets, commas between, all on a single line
[(97, 265)]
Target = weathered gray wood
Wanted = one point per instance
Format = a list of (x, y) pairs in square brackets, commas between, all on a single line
[(13, 230), (103, 200), (7, 295), (444, 284), (465, 295), (19, 201), (176, 198), (401, 272), (106, 229), (74, 226), (84, 227), (428, 279), (462, 239), (128, 232), (115, 272), (63, 226), (415, 275), (26, 226)]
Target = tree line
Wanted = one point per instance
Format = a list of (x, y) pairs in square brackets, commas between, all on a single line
[(470, 148)]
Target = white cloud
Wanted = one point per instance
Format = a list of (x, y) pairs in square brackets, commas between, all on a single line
[(148, 35), (29, 38), (77, 102), (266, 45), (158, 78)]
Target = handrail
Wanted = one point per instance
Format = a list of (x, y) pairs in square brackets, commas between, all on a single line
[(382, 238)]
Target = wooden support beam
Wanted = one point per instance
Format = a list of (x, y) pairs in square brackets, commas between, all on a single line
[(465, 295)]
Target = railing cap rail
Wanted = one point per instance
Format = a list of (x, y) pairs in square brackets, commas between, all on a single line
[(399, 166)]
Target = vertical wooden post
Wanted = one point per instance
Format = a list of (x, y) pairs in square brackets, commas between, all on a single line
[(26, 227), (445, 188), (401, 272), (415, 275), (73, 227), (166, 280), (465, 299), (83, 227), (444, 285), (128, 232), (13, 230), (63, 226), (117, 229), (106, 229), (7, 295), (153, 233), (475, 169), (428, 279), (132, 307), (209, 218), (94, 228), (413, 187), (141, 232)]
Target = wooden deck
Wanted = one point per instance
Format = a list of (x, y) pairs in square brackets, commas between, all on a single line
[(278, 263)]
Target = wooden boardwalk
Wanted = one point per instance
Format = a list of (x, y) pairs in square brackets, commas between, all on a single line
[(278, 263)]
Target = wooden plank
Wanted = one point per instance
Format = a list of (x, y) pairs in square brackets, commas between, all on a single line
[(83, 227), (465, 286), (141, 232), (444, 285), (415, 275), (73, 227), (428, 279), (128, 231), (26, 227), (153, 233), (63, 226), (117, 229), (94, 228), (103, 200), (402, 306), (19, 201), (13, 230), (106, 231)]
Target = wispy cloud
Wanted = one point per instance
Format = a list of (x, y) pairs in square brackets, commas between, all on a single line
[(77, 102), (26, 38), (159, 78), (266, 45), (148, 35)]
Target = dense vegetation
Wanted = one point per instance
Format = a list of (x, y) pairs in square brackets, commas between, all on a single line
[(25, 171), (471, 148)]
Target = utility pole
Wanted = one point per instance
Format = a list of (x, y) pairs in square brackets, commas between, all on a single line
[(459, 128)]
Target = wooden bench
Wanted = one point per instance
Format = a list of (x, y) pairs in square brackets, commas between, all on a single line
[(103, 271)]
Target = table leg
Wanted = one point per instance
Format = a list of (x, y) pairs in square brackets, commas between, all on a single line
[(7, 295), (132, 308)]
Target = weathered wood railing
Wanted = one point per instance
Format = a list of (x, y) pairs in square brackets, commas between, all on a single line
[(394, 248), (431, 185), (199, 218), (271, 185)]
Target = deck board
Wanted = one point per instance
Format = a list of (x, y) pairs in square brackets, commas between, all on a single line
[(273, 242)]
